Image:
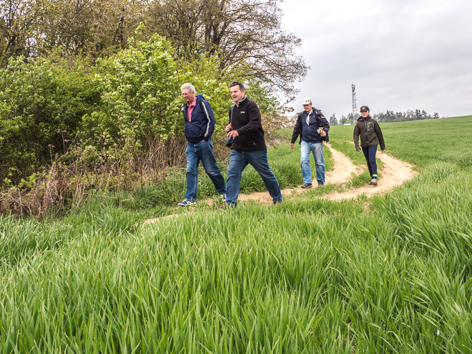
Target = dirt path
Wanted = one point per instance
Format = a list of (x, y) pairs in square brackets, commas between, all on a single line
[(394, 173), (342, 172)]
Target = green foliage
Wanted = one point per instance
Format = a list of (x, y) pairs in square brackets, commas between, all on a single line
[(140, 96), (42, 104)]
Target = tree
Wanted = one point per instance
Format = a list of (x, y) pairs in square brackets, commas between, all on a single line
[(18, 20), (332, 120), (240, 32), (90, 27)]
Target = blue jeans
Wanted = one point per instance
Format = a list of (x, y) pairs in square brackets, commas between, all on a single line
[(238, 162), (202, 151), (317, 150), (369, 153)]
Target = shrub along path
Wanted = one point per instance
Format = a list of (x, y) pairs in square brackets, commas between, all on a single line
[(393, 173)]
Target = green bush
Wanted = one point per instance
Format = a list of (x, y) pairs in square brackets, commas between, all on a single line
[(42, 104)]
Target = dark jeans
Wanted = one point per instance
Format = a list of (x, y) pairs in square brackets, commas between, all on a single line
[(202, 151), (257, 159), (369, 153)]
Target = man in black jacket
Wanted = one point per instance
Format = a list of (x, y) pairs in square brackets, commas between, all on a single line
[(199, 126), (249, 147), (313, 127)]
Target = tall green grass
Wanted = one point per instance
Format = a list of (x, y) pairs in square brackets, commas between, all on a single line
[(307, 276)]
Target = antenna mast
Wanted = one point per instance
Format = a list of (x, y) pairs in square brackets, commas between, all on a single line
[(354, 104)]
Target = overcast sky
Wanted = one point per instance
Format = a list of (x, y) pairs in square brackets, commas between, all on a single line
[(400, 54)]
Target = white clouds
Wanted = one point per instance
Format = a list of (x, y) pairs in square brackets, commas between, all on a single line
[(400, 54)]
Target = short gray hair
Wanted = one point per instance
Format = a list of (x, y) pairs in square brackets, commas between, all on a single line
[(189, 87)]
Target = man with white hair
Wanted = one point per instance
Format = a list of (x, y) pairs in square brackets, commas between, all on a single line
[(199, 126), (313, 127)]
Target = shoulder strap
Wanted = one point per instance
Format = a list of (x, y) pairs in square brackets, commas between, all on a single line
[(231, 114)]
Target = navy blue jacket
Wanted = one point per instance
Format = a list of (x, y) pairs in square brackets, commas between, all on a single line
[(309, 133), (202, 125)]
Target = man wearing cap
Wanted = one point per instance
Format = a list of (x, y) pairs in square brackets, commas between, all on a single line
[(313, 127), (199, 126), (371, 135)]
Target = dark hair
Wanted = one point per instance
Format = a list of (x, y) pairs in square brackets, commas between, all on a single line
[(235, 83)]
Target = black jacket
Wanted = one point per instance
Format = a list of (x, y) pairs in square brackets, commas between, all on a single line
[(202, 125), (369, 131), (246, 119), (316, 117)]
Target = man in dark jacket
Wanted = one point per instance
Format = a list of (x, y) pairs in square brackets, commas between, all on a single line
[(371, 135), (249, 147), (313, 127), (199, 126)]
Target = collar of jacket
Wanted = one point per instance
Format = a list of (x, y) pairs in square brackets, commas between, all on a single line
[(360, 119), (199, 98), (240, 101), (309, 113)]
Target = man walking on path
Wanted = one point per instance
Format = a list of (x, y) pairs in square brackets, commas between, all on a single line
[(371, 135), (313, 127), (199, 126), (248, 147)]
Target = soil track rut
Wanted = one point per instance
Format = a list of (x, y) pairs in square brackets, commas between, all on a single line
[(393, 174)]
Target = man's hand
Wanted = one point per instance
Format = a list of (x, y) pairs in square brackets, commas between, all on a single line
[(323, 133), (229, 127), (291, 145), (233, 134), (358, 150)]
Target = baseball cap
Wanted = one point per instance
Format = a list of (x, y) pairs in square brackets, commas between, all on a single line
[(365, 108), (306, 101)]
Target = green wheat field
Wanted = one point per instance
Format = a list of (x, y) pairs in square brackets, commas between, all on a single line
[(308, 276)]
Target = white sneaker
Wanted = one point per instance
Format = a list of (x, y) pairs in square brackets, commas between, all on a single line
[(373, 182), (186, 203)]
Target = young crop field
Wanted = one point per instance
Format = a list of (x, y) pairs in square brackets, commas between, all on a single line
[(386, 274)]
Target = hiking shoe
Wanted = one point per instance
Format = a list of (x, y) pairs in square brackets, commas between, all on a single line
[(187, 202), (225, 206), (320, 184), (276, 202), (223, 198), (373, 182), (307, 185)]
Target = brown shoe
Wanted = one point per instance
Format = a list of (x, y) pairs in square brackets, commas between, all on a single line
[(225, 206)]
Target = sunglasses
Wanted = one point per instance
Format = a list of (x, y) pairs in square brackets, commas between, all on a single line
[(364, 111)]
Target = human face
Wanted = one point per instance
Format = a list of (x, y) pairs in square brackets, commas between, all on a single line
[(236, 93), (189, 97), (364, 114), (307, 107)]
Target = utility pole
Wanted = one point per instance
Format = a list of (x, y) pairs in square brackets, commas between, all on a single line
[(354, 104)]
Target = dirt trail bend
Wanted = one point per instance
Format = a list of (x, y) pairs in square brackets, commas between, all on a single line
[(342, 172), (393, 174)]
